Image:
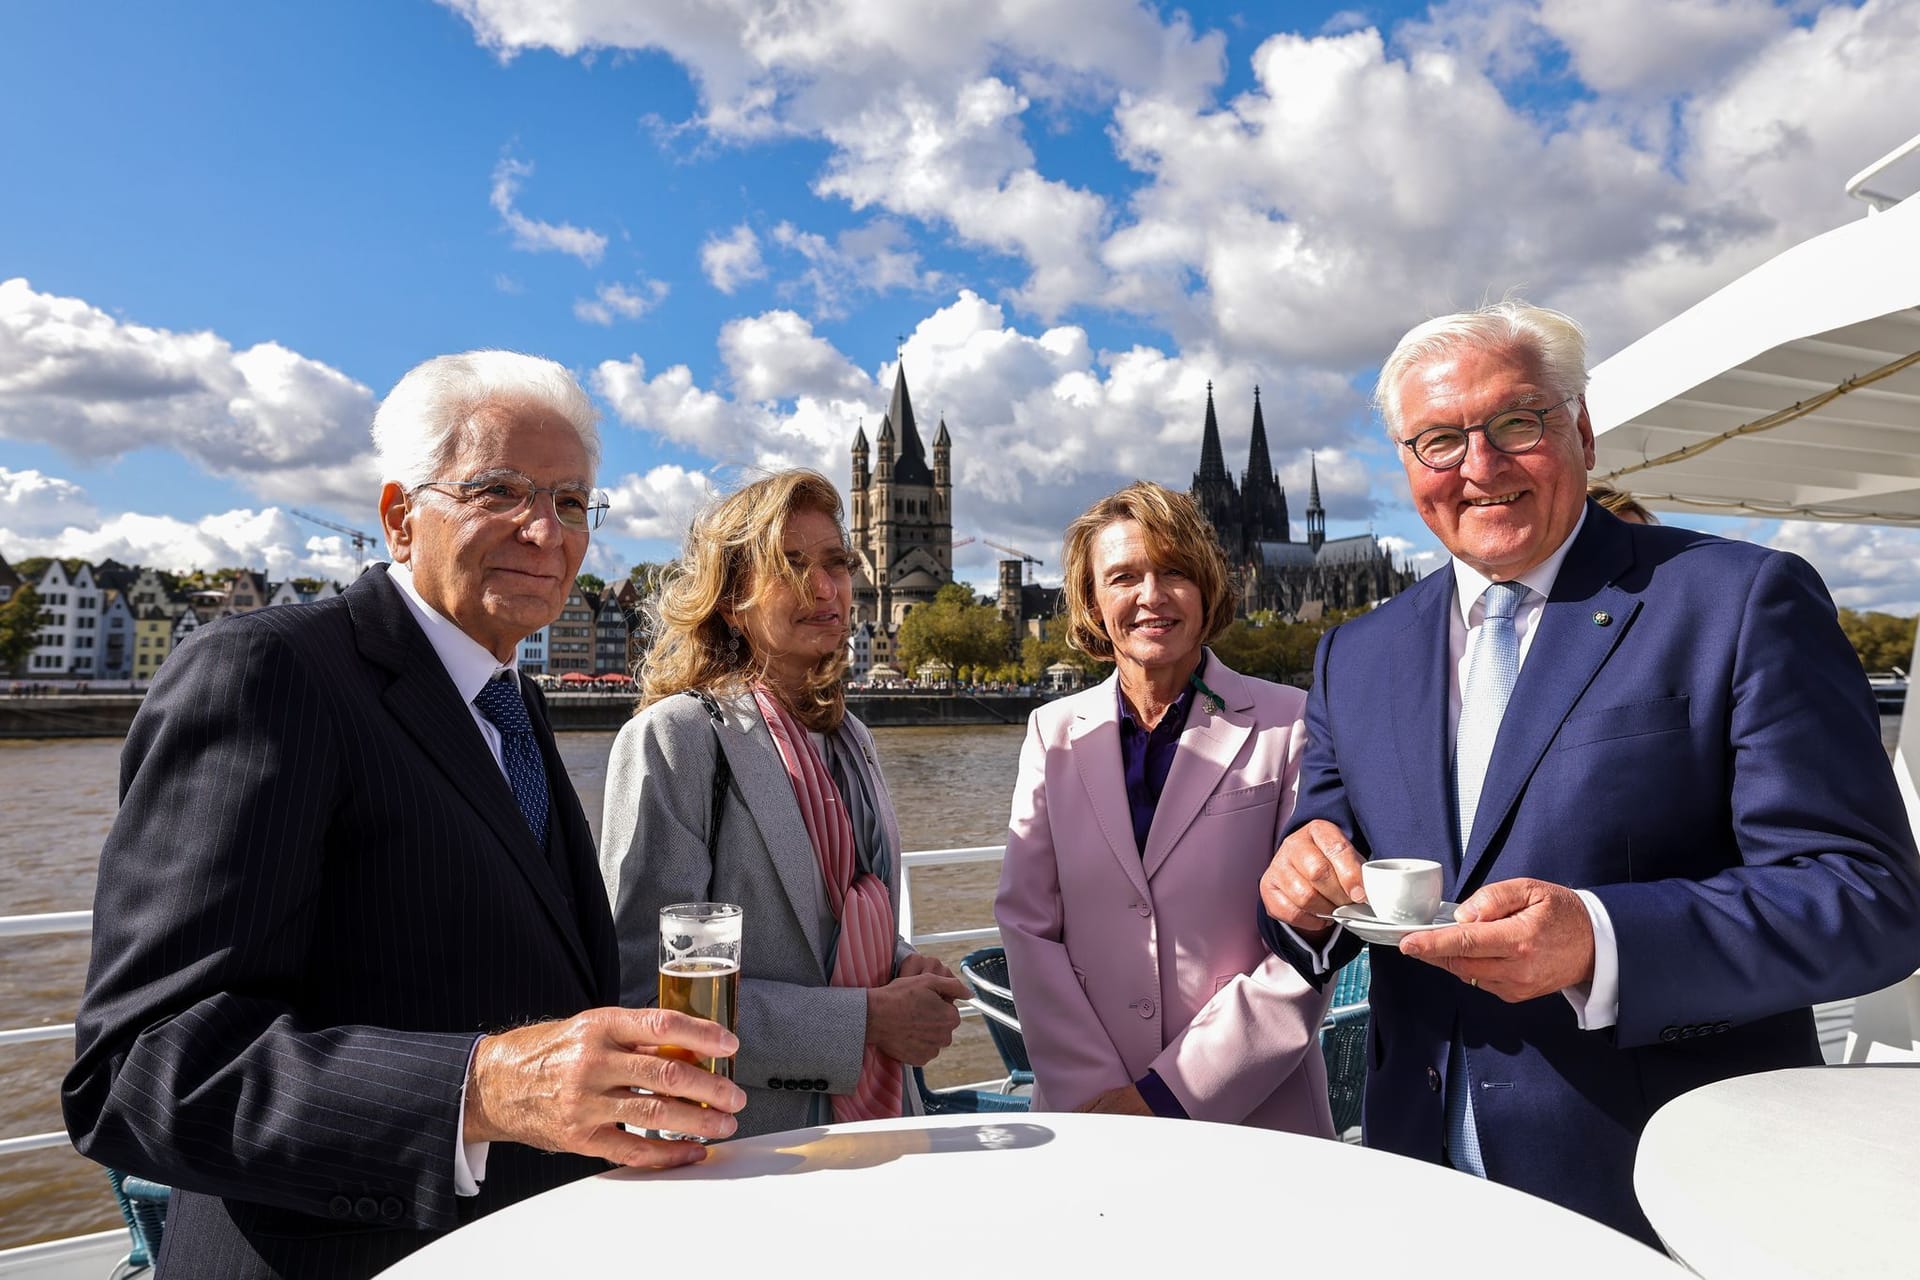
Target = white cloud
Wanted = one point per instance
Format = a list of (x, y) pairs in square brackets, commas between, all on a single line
[(33, 503), (531, 234), (616, 301), (733, 259), (658, 505), (922, 105), (95, 387), (268, 539), (1865, 566), (871, 259), (1698, 40)]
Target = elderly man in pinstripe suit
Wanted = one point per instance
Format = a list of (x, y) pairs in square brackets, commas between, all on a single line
[(349, 913)]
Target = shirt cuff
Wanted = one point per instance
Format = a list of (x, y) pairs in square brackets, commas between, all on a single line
[(1159, 1098), (469, 1158), (1596, 1004), (1320, 954)]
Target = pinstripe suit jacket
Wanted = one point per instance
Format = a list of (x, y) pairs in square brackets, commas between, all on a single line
[(799, 1037), (318, 893)]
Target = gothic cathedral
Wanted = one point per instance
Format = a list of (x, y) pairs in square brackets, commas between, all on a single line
[(1277, 574)]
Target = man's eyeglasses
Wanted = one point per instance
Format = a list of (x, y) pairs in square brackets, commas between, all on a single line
[(1510, 431), (508, 493)]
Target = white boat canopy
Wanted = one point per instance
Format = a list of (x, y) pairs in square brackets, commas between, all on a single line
[(1794, 392)]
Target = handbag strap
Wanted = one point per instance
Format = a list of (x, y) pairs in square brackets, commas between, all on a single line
[(722, 770)]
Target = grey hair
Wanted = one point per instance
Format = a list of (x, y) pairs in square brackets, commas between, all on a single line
[(1554, 339), (416, 430)]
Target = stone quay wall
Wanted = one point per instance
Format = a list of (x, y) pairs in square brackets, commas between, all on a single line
[(108, 715)]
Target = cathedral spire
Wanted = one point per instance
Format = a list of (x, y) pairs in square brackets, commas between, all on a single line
[(1259, 462), (910, 465), (1316, 514), (1213, 462)]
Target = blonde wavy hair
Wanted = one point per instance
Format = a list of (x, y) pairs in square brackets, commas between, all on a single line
[(1178, 536), (734, 556)]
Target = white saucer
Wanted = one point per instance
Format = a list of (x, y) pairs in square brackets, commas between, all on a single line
[(1359, 919)]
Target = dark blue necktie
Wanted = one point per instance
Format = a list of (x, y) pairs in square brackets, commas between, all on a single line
[(499, 701)]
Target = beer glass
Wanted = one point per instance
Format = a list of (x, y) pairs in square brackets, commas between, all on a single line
[(700, 974)]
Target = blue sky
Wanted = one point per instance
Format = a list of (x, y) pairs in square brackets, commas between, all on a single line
[(226, 229)]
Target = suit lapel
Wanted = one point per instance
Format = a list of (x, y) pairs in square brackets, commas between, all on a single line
[(768, 791), (1209, 743), (1093, 742), (428, 709), (1418, 710), (1565, 654)]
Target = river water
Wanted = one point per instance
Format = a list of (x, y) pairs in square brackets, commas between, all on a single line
[(57, 799)]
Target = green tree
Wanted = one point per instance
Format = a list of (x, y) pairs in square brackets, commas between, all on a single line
[(956, 631), (1883, 641), (19, 620), (590, 582), (1038, 653), (649, 574)]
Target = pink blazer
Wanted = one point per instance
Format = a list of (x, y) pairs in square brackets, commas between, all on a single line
[(1120, 962)]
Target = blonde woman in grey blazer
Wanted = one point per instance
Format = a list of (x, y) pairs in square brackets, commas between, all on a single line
[(751, 648)]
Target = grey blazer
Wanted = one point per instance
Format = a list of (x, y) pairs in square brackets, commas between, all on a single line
[(800, 1039)]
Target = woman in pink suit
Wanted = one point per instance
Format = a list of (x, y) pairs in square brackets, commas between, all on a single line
[(1145, 812)]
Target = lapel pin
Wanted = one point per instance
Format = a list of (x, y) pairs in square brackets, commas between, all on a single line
[(1602, 618)]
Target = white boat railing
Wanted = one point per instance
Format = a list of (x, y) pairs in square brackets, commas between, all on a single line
[(82, 922)]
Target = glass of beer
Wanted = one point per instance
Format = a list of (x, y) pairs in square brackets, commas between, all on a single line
[(700, 974)]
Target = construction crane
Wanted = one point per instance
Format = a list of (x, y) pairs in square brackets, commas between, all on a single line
[(1026, 560), (361, 541)]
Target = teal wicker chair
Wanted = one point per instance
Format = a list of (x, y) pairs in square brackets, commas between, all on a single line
[(949, 1102), (985, 971), (143, 1205), (1343, 1042)]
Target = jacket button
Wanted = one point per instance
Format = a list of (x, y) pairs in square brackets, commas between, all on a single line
[(1146, 1007), (773, 1084), (391, 1208), (821, 1085), (340, 1207), (1722, 1026), (1144, 909), (366, 1208), (1433, 1079), (1669, 1034)]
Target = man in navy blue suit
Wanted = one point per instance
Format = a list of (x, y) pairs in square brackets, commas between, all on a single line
[(1648, 760), (349, 914)]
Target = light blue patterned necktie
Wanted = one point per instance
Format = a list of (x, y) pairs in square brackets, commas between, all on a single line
[(499, 701), (1483, 699), (1491, 672)]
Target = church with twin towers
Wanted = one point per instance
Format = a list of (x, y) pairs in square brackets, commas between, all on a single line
[(901, 523)]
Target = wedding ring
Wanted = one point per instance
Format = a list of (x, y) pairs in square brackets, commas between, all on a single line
[(1473, 982)]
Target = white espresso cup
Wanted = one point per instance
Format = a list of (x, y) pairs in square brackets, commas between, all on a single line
[(1402, 890)]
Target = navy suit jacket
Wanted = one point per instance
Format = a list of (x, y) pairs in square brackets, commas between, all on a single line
[(1693, 739), (318, 893)]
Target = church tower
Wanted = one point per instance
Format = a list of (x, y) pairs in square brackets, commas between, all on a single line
[(1214, 490), (902, 525), (1264, 501), (1316, 514)]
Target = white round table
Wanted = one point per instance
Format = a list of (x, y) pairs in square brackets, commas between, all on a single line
[(1809, 1172), (973, 1197)]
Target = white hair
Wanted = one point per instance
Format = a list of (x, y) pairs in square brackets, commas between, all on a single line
[(1553, 339), (416, 430)]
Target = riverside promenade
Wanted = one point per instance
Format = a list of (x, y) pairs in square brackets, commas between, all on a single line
[(107, 715)]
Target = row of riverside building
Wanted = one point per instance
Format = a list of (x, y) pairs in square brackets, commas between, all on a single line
[(111, 622)]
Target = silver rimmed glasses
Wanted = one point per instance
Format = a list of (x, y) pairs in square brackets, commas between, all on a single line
[(508, 493), (1510, 431)]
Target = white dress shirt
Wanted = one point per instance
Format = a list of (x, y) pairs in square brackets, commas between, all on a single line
[(469, 665), (1595, 1004)]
